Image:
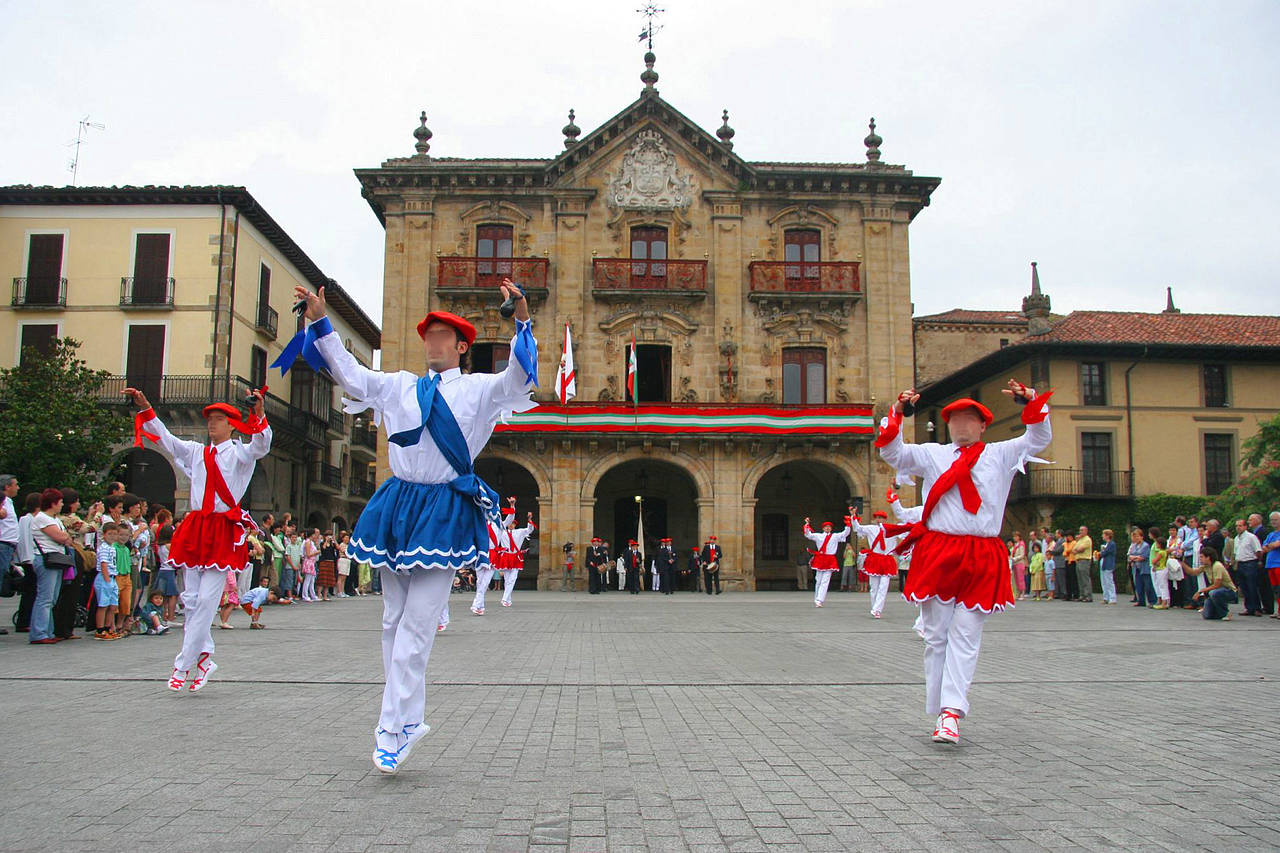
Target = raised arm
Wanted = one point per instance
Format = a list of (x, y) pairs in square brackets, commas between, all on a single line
[(1035, 414), (902, 457), (148, 423), (372, 386)]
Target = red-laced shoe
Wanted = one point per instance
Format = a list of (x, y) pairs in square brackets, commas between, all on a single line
[(948, 727), (176, 681), (205, 668)]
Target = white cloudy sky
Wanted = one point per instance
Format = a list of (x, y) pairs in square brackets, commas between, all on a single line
[(1125, 146)]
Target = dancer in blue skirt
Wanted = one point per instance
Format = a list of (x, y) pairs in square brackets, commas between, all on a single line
[(429, 519)]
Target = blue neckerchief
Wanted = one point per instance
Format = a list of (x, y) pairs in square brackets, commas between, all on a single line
[(304, 344), (442, 426)]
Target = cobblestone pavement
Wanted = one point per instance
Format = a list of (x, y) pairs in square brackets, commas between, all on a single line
[(583, 723)]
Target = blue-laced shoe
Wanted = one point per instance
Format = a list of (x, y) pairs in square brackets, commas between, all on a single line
[(386, 751), (412, 733)]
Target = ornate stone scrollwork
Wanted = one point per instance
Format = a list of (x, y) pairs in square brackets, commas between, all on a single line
[(609, 392), (687, 393), (649, 178)]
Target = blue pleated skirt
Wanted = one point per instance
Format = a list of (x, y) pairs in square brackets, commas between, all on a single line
[(409, 526)]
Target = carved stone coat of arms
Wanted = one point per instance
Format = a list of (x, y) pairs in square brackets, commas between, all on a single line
[(649, 178)]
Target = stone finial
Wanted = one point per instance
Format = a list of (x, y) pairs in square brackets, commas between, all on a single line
[(422, 134), (1036, 306), (725, 132), (873, 142), (571, 132), (649, 76), (1168, 302)]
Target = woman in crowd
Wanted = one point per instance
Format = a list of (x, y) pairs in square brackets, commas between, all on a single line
[(1218, 595), (1140, 563), (48, 539), (327, 567), (1018, 554), (310, 556)]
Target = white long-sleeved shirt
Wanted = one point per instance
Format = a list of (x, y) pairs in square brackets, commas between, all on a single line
[(235, 459), (878, 543), (512, 539), (992, 476), (478, 401), (9, 524), (825, 545), (906, 515)]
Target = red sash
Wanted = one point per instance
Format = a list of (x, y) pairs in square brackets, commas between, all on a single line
[(960, 475), (216, 484)]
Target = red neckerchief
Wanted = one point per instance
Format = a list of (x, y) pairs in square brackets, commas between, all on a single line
[(960, 474)]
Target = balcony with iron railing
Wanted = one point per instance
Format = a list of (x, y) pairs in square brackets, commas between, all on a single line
[(268, 322), (479, 278), (39, 292), (197, 391), (362, 489), (625, 278), (364, 437), (328, 478), (146, 292), (804, 281), (337, 422), (1105, 483)]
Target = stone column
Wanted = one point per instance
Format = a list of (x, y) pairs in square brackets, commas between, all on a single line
[(727, 274)]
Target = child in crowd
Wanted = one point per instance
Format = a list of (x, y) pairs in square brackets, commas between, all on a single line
[(292, 574), (152, 612), (124, 577), (104, 583), (310, 555), (255, 599), (167, 577), (230, 600), (1160, 568), (1038, 588)]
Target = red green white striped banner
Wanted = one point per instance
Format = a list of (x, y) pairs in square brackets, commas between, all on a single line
[(693, 419)]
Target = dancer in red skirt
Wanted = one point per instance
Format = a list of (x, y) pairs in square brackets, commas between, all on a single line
[(823, 560), (879, 561), (213, 537), (959, 566)]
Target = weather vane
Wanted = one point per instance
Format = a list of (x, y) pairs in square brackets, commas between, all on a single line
[(650, 11)]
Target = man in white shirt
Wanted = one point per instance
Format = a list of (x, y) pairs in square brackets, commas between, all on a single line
[(823, 560), (8, 521), (212, 538), (428, 520), (1248, 549), (959, 565)]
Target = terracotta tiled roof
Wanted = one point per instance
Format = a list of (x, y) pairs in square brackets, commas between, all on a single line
[(964, 315), (1123, 327)]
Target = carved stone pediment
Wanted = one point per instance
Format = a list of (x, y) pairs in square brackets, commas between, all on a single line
[(649, 178)]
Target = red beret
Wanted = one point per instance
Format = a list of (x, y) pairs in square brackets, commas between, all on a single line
[(967, 403), (632, 542), (827, 524), (468, 331), (226, 408), (712, 539), (879, 514)]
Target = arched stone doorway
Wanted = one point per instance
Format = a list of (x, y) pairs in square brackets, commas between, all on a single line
[(149, 475), (509, 478), (339, 523), (670, 501), (785, 495), (316, 520)]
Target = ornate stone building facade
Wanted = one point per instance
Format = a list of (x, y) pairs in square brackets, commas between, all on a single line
[(769, 304)]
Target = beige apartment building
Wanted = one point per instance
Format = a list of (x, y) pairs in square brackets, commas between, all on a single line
[(186, 293), (1144, 403), (769, 304)]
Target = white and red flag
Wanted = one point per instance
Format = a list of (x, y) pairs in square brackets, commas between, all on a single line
[(566, 376)]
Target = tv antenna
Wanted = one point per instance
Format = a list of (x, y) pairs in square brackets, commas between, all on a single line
[(81, 133), (650, 11)]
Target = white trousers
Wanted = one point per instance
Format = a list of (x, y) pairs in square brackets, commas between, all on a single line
[(622, 579), (654, 586), (952, 637), (1160, 580), (444, 614), (483, 577), (411, 609), (244, 582), (509, 582), (820, 587), (201, 593), (879, 589)]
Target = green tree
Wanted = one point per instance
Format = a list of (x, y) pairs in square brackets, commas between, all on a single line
[(1258, 489), (54, 428)]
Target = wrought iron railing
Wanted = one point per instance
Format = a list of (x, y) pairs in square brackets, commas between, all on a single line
[(826, 277), (365, 436), (40, 291), (1074, 482), (453, 271), (146, 292), (622, 274), (268, 321), (362, 488), (331, 476), (337, 421)]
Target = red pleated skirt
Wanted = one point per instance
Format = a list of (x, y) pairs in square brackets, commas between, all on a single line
[(972, 571), (824, 562), (208, 540), (879, 564)]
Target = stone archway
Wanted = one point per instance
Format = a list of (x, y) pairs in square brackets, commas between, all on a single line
[(670, 503), (149, 475), (784, 495), (509, 478)]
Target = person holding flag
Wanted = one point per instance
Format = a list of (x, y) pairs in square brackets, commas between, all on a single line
[(213, 538), (823, 560), (428, 519)]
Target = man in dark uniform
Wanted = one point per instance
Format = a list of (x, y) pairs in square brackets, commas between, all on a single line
[(693, 569), (635, 565), (597, 566), (710, 558), (667, 568)]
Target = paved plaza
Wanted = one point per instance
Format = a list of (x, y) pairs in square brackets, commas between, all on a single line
[(617, 722)]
